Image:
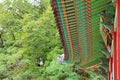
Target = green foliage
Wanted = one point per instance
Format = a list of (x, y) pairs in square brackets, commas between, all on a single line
[(59, 72), (28, 32), (94, 76)]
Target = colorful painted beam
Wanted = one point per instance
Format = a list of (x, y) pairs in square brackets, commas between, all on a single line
[(78, 25)]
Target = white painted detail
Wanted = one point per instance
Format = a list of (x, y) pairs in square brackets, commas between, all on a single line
[(60, 59)]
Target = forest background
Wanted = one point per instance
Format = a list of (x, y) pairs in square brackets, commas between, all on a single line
[(28, 32)]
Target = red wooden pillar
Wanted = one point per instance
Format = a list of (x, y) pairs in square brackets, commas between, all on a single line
[(118, 41), (116, 54), (114, 69)]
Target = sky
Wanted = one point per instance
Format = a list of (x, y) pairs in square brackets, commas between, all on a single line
[(1, 0)]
